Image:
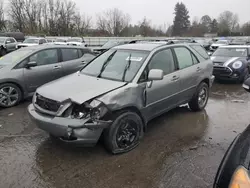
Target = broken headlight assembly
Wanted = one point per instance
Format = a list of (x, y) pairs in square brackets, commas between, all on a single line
[(94, 110)]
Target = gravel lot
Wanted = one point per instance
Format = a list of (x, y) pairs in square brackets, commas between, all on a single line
[(180, 149)]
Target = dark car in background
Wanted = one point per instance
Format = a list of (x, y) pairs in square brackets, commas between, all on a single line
[(231, 62), (18, 36), (24, 70), (7, 44)]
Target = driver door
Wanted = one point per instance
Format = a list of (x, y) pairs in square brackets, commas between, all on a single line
[(48, 69), (162, 95)]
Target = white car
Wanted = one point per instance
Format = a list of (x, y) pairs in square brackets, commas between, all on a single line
[(60, 41), (31, 42), (76, 41), (217, 44)]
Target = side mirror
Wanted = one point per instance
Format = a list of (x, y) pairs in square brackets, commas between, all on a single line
[(246, 85), (31, 64), (155, 74)]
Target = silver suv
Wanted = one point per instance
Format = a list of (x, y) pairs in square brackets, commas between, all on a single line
[(117, 93)]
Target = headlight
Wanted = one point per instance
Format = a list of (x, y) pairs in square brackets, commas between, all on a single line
[(237, 64), (240, 178), (94, 110)]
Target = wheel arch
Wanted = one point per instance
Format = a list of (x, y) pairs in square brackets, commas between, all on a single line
[(135, 110), (205, 80), (16, 84)]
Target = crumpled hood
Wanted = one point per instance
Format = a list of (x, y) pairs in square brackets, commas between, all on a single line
[(78, 88)]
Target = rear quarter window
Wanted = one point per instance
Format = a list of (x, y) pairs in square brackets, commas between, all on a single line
[(200, 52)]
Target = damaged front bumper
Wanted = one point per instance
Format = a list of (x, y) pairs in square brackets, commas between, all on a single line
[(81, 131)]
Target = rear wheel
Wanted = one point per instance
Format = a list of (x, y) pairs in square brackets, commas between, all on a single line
[(2, 51), (200, 98), (124, 134), (10, 95)]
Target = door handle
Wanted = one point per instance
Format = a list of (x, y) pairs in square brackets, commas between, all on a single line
[(57, 67), (175, 78), (198, 69)]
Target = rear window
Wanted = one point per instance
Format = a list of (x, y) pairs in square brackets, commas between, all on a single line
[(201, 51), (69, 54)]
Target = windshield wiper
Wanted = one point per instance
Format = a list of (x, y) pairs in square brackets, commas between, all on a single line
[(126, 68), (106, 63)]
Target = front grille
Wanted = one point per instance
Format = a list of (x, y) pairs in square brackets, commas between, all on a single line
[(216, 63), (47, 104), (222, 71)]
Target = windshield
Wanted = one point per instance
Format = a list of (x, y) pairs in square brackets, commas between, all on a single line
[(221, 42), (60, 40), (75, 40), (121, 65), (110, 44), (2, 40), (14, 56), (31, 41), (231, 52)]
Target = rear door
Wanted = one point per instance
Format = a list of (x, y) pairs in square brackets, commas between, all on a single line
[(72, 60), (189, 70), (48, 68), (163, 94)]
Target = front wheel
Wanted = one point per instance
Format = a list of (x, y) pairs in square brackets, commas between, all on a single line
[(124, 134), (10, 95), (200, 98)]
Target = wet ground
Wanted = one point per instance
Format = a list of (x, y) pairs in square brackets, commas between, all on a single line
[(180, 149)]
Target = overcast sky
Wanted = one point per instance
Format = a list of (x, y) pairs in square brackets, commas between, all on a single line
[(161, 11)]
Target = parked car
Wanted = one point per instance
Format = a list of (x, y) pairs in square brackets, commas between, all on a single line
[(120, 91), (61, 41), (76, 41), (24, 70), (240, 41), (204, 42), (7, 44), (18, 36), (108, 45), (232, 62), (218, 43), (31, 42), (234, 169)]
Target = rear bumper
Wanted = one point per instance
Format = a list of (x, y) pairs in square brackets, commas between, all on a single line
[(69, 130)]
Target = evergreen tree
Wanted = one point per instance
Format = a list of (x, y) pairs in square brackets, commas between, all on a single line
[(214, 26), (181, 20)]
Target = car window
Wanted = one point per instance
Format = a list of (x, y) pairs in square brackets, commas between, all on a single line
[(200, 50), (12, 40), (163, 60), (45, 57), (184, 57), (88, 55), (195, 60), (69, 54), (80, 53), (8, 40)]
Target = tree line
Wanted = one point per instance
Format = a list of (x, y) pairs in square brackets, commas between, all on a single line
[(62, 18)]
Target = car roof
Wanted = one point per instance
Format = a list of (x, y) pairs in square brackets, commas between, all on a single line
[(41, 47), (235, 46), (139, 46)]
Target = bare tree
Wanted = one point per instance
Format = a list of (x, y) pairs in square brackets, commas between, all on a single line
[(145, 28), (227, 22), (113, 21), (17, 14), (82, 23), (2, 19)]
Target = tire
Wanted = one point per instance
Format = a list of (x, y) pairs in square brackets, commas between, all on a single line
[(244, 76), (2, 51), (114, 139), (5, 96), (196, 104)]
